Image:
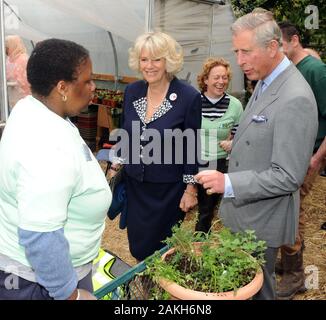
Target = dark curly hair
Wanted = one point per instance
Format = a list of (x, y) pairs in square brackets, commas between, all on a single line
[(54, 60)]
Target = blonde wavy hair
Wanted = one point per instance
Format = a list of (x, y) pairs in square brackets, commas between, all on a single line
[(160, 45), (208, 65)]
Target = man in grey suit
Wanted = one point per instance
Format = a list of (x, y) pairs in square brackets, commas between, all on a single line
[(273, 144)]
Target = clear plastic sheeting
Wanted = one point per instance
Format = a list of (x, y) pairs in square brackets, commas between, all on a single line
[(85, 22), (201, 27), (119, 17), (14, 24), (190, 24), (123, 18), (203, 30), (221, 44)]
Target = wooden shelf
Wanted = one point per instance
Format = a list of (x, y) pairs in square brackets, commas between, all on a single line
[(103, 105), (110, 77)]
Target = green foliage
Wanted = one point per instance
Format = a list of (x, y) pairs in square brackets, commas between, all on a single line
[(293, 11), (222, 261)]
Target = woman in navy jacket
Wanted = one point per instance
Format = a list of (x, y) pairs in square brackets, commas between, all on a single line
[(160, 164)]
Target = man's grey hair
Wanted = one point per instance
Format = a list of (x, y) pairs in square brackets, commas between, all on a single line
[(262, 23)]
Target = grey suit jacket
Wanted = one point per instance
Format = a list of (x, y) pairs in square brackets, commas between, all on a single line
[(269, 159)]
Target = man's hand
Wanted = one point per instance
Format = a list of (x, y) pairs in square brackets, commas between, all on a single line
[(314, 165), (318, 159), (213, 181)]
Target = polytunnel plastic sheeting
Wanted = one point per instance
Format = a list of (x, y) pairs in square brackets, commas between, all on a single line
[(203, 30), (190, 24), (123, 18), (51, 19), (25, 31), (222, 44), (15, 25)]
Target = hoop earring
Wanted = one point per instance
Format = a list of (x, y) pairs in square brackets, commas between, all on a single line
[(64, 98)]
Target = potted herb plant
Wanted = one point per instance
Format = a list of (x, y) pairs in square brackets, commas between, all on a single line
[(218, 265)]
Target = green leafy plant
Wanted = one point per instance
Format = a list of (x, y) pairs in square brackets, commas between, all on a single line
[(219, 261)]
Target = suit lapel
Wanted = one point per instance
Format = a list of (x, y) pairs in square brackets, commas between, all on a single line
[(141, 103), (256, 107)]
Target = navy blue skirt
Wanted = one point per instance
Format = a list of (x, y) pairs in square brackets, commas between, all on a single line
[(153, 209)]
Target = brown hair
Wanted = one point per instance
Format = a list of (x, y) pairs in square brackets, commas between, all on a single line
[(208, 65)]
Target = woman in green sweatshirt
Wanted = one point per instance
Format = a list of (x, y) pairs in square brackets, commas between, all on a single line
[(220, 117)]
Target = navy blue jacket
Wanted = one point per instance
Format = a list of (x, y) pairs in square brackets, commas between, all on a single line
[(175, 159)]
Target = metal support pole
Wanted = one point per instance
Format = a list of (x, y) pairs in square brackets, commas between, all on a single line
[(116, 65), (211, 31), (149, 15), (3, 82)]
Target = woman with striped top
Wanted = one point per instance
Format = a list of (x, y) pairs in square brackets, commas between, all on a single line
[(220, 117)]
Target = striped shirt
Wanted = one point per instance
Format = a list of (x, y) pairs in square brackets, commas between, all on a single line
[(215, 108)]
